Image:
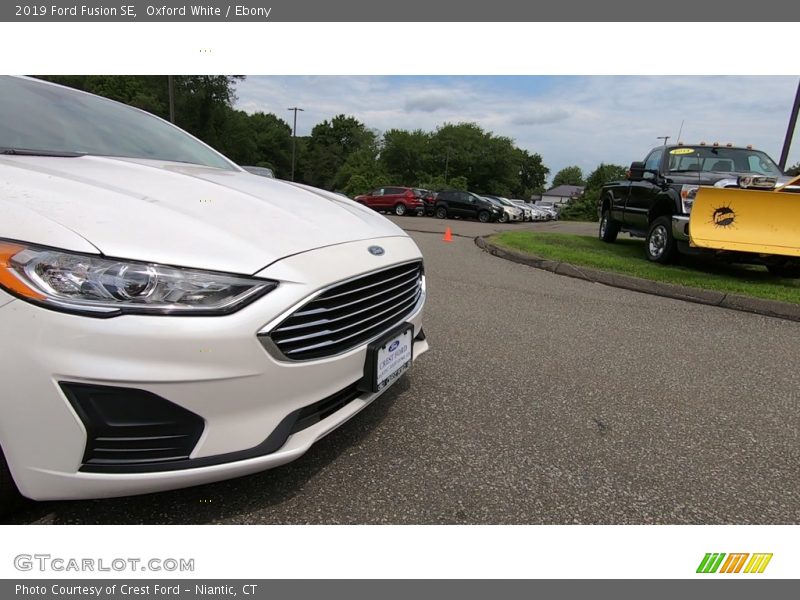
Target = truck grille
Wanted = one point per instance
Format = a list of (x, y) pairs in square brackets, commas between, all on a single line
[(350, 314)]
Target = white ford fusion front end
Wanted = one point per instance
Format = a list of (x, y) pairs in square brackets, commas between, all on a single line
[(168, 323)]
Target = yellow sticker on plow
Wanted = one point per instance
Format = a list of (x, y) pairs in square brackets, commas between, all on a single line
[(682, 151)]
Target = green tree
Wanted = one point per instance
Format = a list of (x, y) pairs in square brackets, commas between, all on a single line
[(532, 174), (569, 176), (604, 174), (794, 170), (584, 208), (490, 163), (260, 139), (203, 104), (360, 173), (405, 155), (330, 145)]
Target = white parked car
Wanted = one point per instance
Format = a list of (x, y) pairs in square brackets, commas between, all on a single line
[(549, 207), (511, 212), (527, 213), (169, 319), (540, 214)]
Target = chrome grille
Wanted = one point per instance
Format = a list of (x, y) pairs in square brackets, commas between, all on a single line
[(350, 314)]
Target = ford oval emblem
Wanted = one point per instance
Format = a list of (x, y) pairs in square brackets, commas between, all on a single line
[(376, 250), (393, 346)]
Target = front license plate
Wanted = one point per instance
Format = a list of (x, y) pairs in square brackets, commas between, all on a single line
[(388, 358)]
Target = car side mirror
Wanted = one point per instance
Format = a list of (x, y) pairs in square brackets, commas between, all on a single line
[(649, 175)]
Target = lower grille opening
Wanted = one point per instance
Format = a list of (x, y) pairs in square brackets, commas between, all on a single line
[(134, 431), (127, 427)]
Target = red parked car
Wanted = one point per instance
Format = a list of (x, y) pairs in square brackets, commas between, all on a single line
[(398, 200)]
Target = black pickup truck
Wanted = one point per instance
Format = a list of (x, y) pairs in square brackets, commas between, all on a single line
[(656, 200)]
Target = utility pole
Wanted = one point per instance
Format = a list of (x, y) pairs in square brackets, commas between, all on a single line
[(790, 130), (171, 89), (663, 137), (294, 136)]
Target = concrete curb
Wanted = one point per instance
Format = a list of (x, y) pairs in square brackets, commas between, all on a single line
[(769, 308)]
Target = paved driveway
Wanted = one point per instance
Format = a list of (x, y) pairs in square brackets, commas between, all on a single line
[(544, 399)]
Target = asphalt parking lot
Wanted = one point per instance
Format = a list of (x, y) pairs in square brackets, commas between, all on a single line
[(544, 399)]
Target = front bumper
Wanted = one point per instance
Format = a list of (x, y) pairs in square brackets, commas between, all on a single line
[(214, 367), (680, 227)]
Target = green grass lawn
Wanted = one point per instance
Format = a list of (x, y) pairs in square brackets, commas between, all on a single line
[(627, 256)]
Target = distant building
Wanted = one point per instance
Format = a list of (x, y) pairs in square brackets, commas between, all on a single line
[(561, 194)]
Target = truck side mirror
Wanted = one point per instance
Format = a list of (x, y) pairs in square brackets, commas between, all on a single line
[(636, 172)]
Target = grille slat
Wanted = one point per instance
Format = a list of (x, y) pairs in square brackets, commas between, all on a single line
[(332, 296), (350, 313), (408, 296), (351, 309), (373, 330)]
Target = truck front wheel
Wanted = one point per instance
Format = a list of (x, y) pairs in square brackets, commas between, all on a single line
[(609, 228), (660, 244), (786, 269)]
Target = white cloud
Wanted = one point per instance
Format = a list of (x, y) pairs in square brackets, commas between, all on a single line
[(569, 120), (429, 102)]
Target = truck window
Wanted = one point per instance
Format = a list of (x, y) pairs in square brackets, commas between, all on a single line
[(653, 160)]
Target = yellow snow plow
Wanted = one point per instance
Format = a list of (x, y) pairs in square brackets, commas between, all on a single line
[(747, 219)]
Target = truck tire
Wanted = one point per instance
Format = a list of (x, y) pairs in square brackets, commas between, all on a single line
[(484, 216), (787, 269), (660, 244), (609, 228), (10, 498), (441, 212)]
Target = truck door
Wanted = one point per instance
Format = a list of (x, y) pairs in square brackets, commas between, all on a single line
[(643, 193)]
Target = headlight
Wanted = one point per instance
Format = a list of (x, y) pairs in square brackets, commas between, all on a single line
[(688, 194), (103, 287)]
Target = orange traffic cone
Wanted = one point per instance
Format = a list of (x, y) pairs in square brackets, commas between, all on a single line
[(448, 235)]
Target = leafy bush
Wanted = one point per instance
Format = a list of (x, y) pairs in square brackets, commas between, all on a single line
[(583, 208)]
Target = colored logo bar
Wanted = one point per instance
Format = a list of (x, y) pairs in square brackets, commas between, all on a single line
[(716, 562)]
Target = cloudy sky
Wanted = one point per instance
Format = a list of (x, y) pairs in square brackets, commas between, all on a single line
[(568, 120)]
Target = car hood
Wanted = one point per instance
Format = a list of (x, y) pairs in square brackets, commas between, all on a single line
[(175, 213)]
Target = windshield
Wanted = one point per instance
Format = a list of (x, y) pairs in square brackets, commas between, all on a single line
[(712, 159), (40, 117)]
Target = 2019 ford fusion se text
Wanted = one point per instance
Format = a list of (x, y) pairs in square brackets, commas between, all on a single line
[(169, 319)]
